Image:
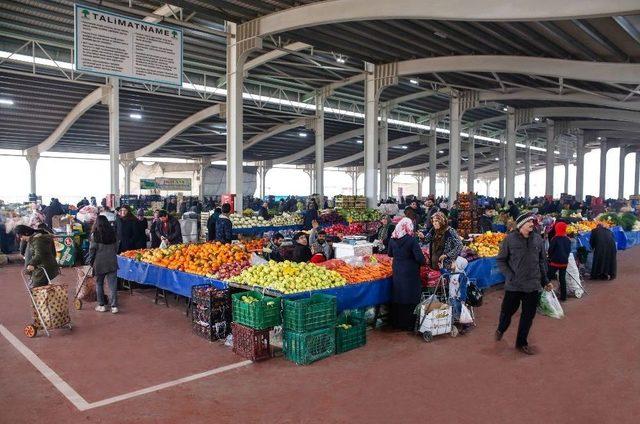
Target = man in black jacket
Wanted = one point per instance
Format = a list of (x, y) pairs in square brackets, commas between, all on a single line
[(168, 229), (486, 221), (513, 210), (522, 260)]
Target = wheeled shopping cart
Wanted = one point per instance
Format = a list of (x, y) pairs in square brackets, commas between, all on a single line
[(436, 321), (50, 307)]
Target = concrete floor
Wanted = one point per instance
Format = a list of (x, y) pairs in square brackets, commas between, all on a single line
[(587, 369)]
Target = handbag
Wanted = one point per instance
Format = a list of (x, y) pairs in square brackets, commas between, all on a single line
[(474, 295)]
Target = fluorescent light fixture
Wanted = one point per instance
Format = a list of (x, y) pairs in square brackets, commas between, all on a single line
[(505, 109), (497, 158), (359, 141), (414, 81), (441, 151), (536, 119), (302, 134), (519, 161), (341, 59), (135, 116), (404, 147), (6, 102), (440, 34), (599, 138)]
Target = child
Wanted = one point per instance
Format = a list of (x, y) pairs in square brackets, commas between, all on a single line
[(559, 250), (458, 283)]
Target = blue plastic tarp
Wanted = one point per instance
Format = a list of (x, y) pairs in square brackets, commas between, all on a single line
[(633, 238), (485, 271), (500, 228), (355, 296), (177, 282), (619, 235)]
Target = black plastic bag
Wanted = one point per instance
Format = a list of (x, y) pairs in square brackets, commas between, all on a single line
[(474, 295)]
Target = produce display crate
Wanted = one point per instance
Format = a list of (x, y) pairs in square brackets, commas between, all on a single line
[(305, 348), (312, 313), (250, 343), (260, 315), (210, 312), (354, 337)]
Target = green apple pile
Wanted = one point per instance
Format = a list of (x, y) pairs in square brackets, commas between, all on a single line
[(286, 219), (290, 277)]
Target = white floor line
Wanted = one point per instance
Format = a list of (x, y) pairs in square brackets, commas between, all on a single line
[(77, 400), (62, 386), (169, 384)]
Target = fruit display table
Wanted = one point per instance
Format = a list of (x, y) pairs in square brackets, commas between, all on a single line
[(177, 282), (351, 296)]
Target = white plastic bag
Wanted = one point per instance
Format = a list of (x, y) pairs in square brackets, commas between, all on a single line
[(574, 285), (465, 315), (549, 305), (164, 244), (257, 260)]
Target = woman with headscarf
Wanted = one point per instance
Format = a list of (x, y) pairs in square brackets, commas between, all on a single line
[(141, 230), (385, 231), (444, 244), (40, 255), (406, 287)]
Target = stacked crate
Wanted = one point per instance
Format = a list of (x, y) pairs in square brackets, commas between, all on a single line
[(467, 214), (252, 322), (210, 312), (309, 328)]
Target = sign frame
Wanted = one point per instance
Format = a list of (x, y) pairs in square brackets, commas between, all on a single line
[(76, 15)]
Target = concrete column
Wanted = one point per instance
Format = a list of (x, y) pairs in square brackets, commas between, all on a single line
[(202, 169), (263, 169), (510, 164), (114, 137), (433, 156), (235, 130), (623, 155), (383, 136), (603, 168), (487, 184), (238, 48), (551, 146), (580, 152), (33, 164), (454, 146), (420, 178), (127, 165), (527, 169), (319, 132), (370, 137), (636, 183), (501, 169), (471, 161)]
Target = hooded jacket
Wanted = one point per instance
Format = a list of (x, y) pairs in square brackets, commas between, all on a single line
[(43, 255), (559, 247)]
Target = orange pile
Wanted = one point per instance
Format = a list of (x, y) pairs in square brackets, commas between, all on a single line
[(254, 245), (355, 274), (200, 258)]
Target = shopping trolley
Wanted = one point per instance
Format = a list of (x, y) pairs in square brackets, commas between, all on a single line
[(50, 306), (83, 273)]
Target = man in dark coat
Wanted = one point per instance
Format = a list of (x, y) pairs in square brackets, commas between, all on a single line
[(604, 248), (513, 210), (486, 221), (406, 288), (223, 225), (264, 211), (522, 260), (168, 229), (54, 209), (310, 215), (211, 224)]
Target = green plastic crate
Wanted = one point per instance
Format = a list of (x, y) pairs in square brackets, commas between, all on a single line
[(257, 315), (351, 338), (305, 348), (311, 313)]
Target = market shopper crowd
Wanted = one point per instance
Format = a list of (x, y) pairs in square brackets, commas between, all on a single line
[(535, 251)]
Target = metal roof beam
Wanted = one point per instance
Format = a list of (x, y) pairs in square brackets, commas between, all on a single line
[(95, 97), (628, 26), (571, 69), (528, 94), (321, 13), (595, 35), (215, 110), (553, 29)]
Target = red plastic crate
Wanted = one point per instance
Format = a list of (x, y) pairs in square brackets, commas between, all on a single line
[(250, 343)]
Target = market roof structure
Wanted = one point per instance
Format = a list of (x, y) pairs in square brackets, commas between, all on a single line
[(566, 71)]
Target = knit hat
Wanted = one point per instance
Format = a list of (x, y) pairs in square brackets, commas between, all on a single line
[(523, 219)]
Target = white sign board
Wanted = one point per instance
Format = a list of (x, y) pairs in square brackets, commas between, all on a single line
[(110, 44)]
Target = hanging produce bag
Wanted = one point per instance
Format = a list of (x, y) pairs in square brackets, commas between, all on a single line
[(549, 305)]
